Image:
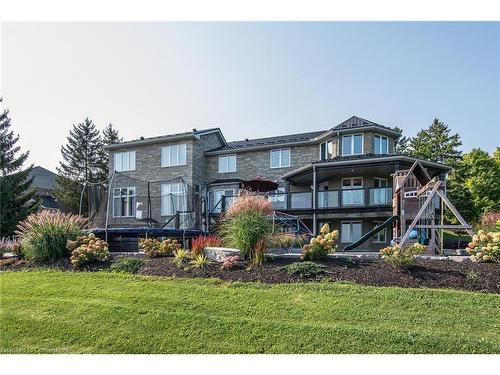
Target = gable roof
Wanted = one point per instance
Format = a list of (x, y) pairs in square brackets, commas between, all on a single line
[(269, 141), (356, 122), (43, 178), (168, 137)]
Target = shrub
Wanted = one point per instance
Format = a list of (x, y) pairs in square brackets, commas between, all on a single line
[(485, 247), (10, 246), (127, 265), (283, 240), (88, 249), (243, 230), (44, 235), (230, 262), (402, 257), (200, 261), (247, 201), (304, 269), (200, 242), (490, 221), (320, 245), (154, 248), (180, 257)]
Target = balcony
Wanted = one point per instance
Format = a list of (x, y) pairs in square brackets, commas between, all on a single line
[(326, 199)]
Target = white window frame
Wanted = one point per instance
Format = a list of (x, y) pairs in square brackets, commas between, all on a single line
[(351, 188), (325, 157), (118, 161), (376, 236), (342, 233), (281, 164), (181, 151), (127, 197), (226, 158), (387, 143), (181, 191), (352, 144), (216, 201), (382, 179)]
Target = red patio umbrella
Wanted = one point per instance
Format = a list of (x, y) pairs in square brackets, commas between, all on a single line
[(260, 185)]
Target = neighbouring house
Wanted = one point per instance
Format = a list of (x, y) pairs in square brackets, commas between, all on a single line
[(342, 176), (43, 183)]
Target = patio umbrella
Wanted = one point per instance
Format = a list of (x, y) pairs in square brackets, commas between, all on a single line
[(260, 185)]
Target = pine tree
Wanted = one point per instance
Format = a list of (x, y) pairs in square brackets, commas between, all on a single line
[(110, 136), (436, 144), (402, 143), (82, 162), (15, 183)]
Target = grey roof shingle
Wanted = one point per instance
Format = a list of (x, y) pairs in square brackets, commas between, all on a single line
[(358, 122), (43, 178), (269, 141)]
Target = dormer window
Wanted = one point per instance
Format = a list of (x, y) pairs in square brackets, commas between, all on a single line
[(326, 150), (352, 144), (380, 144)]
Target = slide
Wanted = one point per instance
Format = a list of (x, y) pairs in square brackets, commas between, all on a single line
[(365, 238)]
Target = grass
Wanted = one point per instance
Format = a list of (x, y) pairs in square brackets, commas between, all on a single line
[(101, 312)]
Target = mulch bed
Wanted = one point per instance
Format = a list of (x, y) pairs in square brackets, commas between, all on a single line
[(466, 275)]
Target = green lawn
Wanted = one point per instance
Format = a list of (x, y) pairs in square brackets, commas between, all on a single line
[(70, 312)]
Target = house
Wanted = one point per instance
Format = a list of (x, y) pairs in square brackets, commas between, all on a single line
[(342, 176), (43, 183)]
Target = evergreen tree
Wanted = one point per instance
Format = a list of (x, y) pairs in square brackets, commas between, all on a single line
[(110, 136), (402, 143), (15, 183), (436, 144), (473, 186), (82, 162)]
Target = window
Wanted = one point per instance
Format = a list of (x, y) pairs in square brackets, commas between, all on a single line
[(222, 198), (352, 191), (380, 144), (124, 202), (280, 158), (380, 194), (173, 155), (350, 231), (379, 236), (227, 163), (352, 144), (326, 150), (125, 161), (173, 198)]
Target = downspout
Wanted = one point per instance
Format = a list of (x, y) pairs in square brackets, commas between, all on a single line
[(314, 199)]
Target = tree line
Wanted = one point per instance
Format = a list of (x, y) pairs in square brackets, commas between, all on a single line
[(84, 159), (473, 186)]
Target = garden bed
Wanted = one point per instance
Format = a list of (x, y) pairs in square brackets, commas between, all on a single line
[(466, 275)]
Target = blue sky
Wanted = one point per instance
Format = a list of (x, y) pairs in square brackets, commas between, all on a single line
[(251, 79)]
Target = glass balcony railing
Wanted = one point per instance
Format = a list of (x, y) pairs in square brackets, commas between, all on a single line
[(328, 199), (353, 197), (380, 196), (325, 199), (301, 200)]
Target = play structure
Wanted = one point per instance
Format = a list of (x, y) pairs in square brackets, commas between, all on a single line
[(291, 226), (419, 205)]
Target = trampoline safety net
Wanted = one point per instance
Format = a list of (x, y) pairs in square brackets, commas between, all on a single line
[(125, 201)]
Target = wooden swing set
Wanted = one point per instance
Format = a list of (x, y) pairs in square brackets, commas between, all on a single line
[(428, 215)]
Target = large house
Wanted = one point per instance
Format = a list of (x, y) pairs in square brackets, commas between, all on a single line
[(342, 176)]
